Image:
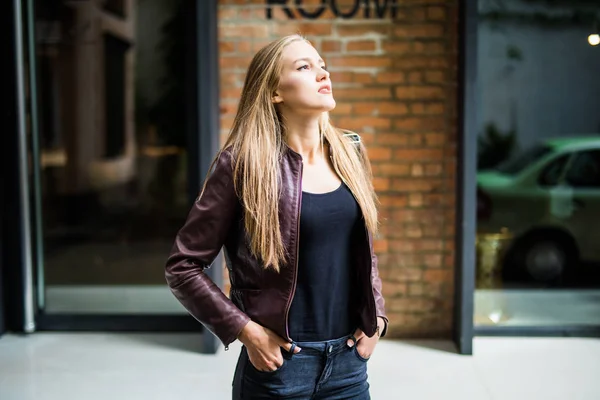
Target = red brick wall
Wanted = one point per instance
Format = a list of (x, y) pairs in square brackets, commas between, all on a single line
[(395, 82)]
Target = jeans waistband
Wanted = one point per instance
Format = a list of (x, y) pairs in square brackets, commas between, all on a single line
[(325, 347)]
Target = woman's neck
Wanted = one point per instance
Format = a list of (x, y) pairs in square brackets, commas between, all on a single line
[(303, 136)]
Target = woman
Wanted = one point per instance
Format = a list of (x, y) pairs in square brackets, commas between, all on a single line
[(290, 199)]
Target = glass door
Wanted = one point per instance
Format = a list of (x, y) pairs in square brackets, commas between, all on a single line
[(112, 143)]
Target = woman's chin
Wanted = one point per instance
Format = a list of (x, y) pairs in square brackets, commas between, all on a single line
[(329, 105), (314, 109)]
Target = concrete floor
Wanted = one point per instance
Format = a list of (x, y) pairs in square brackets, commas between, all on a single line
[(53, 366)]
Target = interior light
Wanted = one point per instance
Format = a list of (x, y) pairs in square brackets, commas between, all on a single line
[(594, 39)]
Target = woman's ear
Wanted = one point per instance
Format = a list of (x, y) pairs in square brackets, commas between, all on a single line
[(277, 98)]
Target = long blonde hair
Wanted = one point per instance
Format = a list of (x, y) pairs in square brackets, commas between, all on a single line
[(256, 141)]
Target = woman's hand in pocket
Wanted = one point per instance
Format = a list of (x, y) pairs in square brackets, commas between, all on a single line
[(365, 346), (264, 347)]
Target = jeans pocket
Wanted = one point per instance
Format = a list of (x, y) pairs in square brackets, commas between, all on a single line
[(357, 354), (254, 369), (264, 373)]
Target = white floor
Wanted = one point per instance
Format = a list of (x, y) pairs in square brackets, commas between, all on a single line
[(54, 366)]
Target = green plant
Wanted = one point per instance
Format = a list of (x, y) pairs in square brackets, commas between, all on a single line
[(494, 146), (514, 53)]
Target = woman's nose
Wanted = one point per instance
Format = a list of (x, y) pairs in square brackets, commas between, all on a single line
[(323, 74)]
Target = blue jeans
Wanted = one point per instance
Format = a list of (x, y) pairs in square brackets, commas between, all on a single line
[(322, 370)]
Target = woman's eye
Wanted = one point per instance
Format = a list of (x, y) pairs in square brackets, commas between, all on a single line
[(324, 67), (303, 67)]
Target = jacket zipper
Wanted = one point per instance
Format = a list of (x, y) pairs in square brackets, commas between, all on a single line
[(289, 305)]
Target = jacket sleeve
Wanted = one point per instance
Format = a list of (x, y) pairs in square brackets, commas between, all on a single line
[(196, 246), (379, 300)]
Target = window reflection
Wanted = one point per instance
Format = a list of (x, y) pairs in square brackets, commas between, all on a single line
[(515, 165), (538, 181), (552, 173), (585, 170), (113, 150)]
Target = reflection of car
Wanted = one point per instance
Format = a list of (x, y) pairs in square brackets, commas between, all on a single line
[(549, 198)]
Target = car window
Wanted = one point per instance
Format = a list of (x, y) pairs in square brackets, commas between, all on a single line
[(585, 170), (516, 164), (551, 174)]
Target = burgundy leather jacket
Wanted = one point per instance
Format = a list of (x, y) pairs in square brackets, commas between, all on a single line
[(258, 294)]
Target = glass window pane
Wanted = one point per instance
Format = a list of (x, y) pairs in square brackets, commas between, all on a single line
[(538, 182), (112, 132)]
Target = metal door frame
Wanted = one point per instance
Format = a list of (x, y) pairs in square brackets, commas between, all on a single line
[(466, 176)]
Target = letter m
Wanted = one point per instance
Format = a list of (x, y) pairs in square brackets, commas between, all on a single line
[(380, 9)]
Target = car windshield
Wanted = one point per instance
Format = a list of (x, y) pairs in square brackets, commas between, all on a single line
[(516, 164)]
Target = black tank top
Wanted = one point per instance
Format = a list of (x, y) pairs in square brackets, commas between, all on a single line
[(323, 307)]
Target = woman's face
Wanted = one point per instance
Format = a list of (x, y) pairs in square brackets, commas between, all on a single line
[(304, 84)]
